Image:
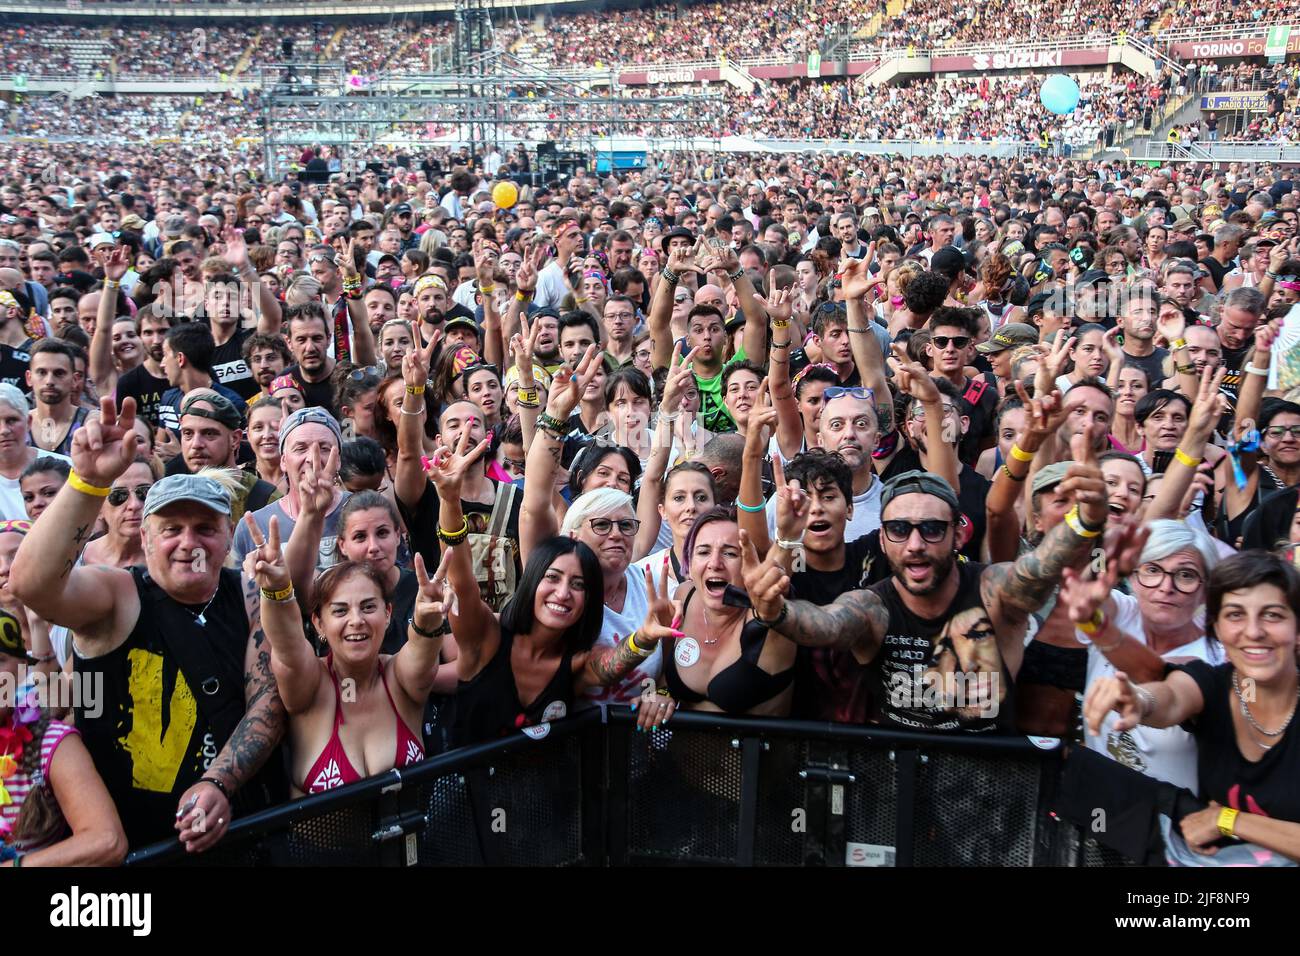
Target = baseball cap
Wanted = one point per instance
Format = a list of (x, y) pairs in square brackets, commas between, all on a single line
[(311, 415), (223, 410), (949, 261), (918, 483), (1009, 336), (101, 239), (461, 321), (1049, 476), (133, 222), (197, 488)]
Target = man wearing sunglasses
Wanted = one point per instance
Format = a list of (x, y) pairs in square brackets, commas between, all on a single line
[(952, 333), (945, 639)]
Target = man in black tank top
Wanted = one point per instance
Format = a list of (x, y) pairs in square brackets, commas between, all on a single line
[(186, 713), (945, 637)]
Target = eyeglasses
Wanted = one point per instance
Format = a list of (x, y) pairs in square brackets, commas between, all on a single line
[(1279, 431), (956, 341), (358, 374), (856, 391), (117, 497), (1185, 580), (932, 529), (601, 527)]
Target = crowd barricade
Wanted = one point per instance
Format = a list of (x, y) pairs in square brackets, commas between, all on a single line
[(706, 789)]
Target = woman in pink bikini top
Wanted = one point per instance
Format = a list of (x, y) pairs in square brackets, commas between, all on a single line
[(356, 712)]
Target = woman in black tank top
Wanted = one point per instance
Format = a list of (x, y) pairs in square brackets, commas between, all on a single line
[(718, 663)]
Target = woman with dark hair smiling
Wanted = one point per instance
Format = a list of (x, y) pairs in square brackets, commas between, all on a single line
[(1240, 712)]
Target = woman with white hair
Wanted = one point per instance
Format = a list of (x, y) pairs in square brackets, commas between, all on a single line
[(15, 453), (1162, 621)]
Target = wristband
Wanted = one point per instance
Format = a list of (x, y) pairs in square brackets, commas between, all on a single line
[(415, 390), (219, 785), (638, 651), (112, 284), (860, 331), (418, 411), (1227, 822), (282, 595), (738, 274), (669, 276), (487, 289), (527, 395), (1007, 472), (453, 538), (1270, 274), (352, 294), (1252, 370), (1186, 369), (669, 417), (521, 403), (522, 296), (1077, 526), (1178, 344), (441, 630), (1185, 458), (551, 423), (77, 482), (1146, 700), (776, 621), (795, 545), (780, 345), (780, 325), (752, 509), (1019, 454), (1093, 626)]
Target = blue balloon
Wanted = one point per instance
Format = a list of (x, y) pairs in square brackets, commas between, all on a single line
[(1060, 94)]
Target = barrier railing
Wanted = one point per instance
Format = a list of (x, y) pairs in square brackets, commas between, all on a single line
[(707, 789)]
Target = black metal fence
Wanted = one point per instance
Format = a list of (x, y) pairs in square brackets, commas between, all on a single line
[(706, 789)]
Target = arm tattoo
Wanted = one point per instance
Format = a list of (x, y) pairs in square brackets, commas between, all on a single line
[(885, 417), (256, 736), (1026, 584), (856, 620), (67, 568), (82, 535), (608, 665)]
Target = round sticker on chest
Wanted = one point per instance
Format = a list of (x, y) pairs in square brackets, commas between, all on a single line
[(687, 652), (537, 732)]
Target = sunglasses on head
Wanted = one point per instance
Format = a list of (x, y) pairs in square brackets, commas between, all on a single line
[(118, 496), (853, 391), (957, 341), (932, 529)]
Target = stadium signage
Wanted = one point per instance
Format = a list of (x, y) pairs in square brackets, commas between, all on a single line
[(644, 77), (670, 76), (1019, 60), (1224, 49)]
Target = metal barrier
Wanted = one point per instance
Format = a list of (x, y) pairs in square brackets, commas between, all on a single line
[(707, 789)]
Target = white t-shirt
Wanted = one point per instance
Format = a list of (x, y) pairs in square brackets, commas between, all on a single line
[(1165, 753), (866, 513), (11, 496), (551, 287), (618, 625)]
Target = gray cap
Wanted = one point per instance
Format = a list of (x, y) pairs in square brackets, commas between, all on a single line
[(1049, 476), (311, 415), (196, 488), (918, 483)]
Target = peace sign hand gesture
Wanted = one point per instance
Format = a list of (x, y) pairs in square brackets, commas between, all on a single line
[(446, 469), (663, 615), (568, 385), (104, 447), (316, 483), (418, 359), (265, 564), (347, 262), (434, 598), (523, 344)]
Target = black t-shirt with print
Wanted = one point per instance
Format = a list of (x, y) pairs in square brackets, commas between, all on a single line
[(146, 388), (316, 394), (1267, 786), (230, 369), (14, 362)]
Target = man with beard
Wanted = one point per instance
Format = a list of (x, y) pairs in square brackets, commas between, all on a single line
[(52, 379), (211, 432), (945, 640), (431, 301), (308, 330), (1240, 313), (1137, 322), (266, 357), (146, 383)]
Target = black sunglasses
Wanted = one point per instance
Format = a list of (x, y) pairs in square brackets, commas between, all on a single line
[(932, 529), (117, 497), (957, 341)]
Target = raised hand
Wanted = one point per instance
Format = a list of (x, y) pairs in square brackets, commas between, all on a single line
[(680, 373), (118, 263), (1043, 416), (526, 274), (682, 261), (1112, 693), (1209, 407), (1170, 327), (1085, 482), (523, 345), (316, 482), (911, 378), (765, 580), (1265, 335), (792, 503), (347, 263), (265, 564), (1052, 365), (236, 249), (856, 280), (569, 384), (105, 446), (434, 598), (1110, 345), (418, 359), (446, 469), (779, 305)]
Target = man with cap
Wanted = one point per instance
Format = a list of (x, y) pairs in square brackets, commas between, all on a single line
[(462, 330), (211, 433), (188, 719), (310, 440), (944, 638), (999, 348)]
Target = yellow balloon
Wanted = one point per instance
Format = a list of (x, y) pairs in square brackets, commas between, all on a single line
[(505, 194)]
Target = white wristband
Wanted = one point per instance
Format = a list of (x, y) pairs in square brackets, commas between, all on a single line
[(796, 545), (1252, 370)]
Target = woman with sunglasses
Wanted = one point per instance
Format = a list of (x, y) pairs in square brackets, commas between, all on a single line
[(1162, 619), (123, 514), (552, 644), (1239, 712)]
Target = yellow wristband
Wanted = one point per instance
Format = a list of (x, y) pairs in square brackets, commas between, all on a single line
[(780, 325), (283, 595), (487, 289), (631, 643), (523, 296), (1019, 454), (1228, 822), (415, 390), (1185, 458), (1076, 524), (1093, 627), (85, 487)]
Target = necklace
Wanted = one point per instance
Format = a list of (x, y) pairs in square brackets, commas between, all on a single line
[(201, 616), (1245, 712)]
